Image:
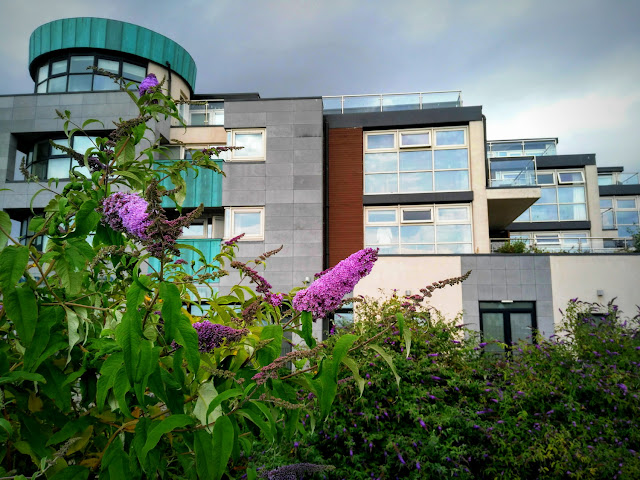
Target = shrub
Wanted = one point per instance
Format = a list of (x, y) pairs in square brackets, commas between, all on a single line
[(565, 407)]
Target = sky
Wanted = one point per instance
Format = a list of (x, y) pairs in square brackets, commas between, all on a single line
[(563, 68)]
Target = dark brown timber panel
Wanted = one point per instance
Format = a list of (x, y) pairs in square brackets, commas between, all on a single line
[(346, 231)]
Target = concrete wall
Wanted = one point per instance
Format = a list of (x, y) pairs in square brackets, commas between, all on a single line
[(508, 277), (288, 184), (581, 276), (178, 86), (593, 200), (32, 114), (478, 175), (413, 273)]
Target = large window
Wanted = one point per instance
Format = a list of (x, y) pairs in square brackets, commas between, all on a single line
[(71, 74), (416, 161), (621, 214), (247, 220), (563, 198), (205, 227), (201, 113), (49, 162), (419, 229), (507, 322)]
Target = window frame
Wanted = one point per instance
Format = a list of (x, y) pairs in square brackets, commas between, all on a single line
[(234, 154), (506, 318), (399, 149), (570, 182), (434, 222), (230, 232)]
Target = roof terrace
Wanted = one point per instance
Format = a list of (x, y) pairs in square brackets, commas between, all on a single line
[(391, 102)]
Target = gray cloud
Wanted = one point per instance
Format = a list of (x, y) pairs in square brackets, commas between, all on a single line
[(548, 68)]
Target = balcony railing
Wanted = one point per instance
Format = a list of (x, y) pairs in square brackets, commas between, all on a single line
[(520, 148), (512, 172), (565, 244), (619, 178), (391, 102), (201, 113)]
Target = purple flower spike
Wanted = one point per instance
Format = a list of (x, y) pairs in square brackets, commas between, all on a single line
[(401, 459), (212, 335), (422, 424), (127, 212), (148, 83), (325, 294)]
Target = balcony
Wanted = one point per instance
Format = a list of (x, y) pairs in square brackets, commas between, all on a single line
[(618, 178), (512, 172), (210, 247), (205, 187), (565, 243), (536, 147), (201, 113), (391, 102)]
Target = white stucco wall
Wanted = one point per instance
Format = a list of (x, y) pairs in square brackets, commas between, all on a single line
[(581, 276), (414, 273)]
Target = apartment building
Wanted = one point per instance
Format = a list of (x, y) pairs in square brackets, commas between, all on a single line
[(410, 174)]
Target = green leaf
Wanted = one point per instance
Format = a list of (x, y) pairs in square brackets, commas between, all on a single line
[(89, 121), (340, 351), (177, 325), (87, 219), (21, 307), (6, 425), (125, 151), (68, 430), (386, 358), (400, 320), (223, 440), (107, 377), (160, 428), (221, 397), (129, 332), (21, 375), (251, 415), (203, 447), (353, 366), (72, 472), (5, 223), (13, 262), (307, 329), (272, 350)]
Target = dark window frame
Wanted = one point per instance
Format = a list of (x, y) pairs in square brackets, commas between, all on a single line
[(96, 57), (506, 318)]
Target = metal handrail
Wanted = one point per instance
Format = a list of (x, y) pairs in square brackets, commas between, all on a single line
[(381, 97)]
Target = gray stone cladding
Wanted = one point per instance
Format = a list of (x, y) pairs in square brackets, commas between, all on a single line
[(508, 277), (288, 184), (26, 116)]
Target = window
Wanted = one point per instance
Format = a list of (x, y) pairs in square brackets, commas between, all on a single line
[(20, 231), (201, 112), (247, 220), (406, 161), (207, 227), (570, 177), (253, 145), (49, 162), (621, 214), (507, 322), (72, 74), (419, 229), (563, 202)]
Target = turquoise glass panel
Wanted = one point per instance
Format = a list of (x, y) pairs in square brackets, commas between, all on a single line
[(205, 188), (209, 247)]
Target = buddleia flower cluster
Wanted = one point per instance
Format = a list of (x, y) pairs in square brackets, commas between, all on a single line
[(148, 84), (325, 294), (127, 212), (213, 335)]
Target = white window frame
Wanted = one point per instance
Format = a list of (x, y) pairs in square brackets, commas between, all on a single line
[(230, 213), (543, 172), (570, 182), (398, 149), (416, 209), (434, 222), (414, 132), (235, 154)]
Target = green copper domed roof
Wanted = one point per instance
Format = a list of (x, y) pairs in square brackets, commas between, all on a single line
[(102, 33)]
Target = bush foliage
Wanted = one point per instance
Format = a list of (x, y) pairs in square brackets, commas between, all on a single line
[(566, 407)]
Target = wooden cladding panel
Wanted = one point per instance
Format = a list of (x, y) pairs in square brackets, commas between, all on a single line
[(346, 230)]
